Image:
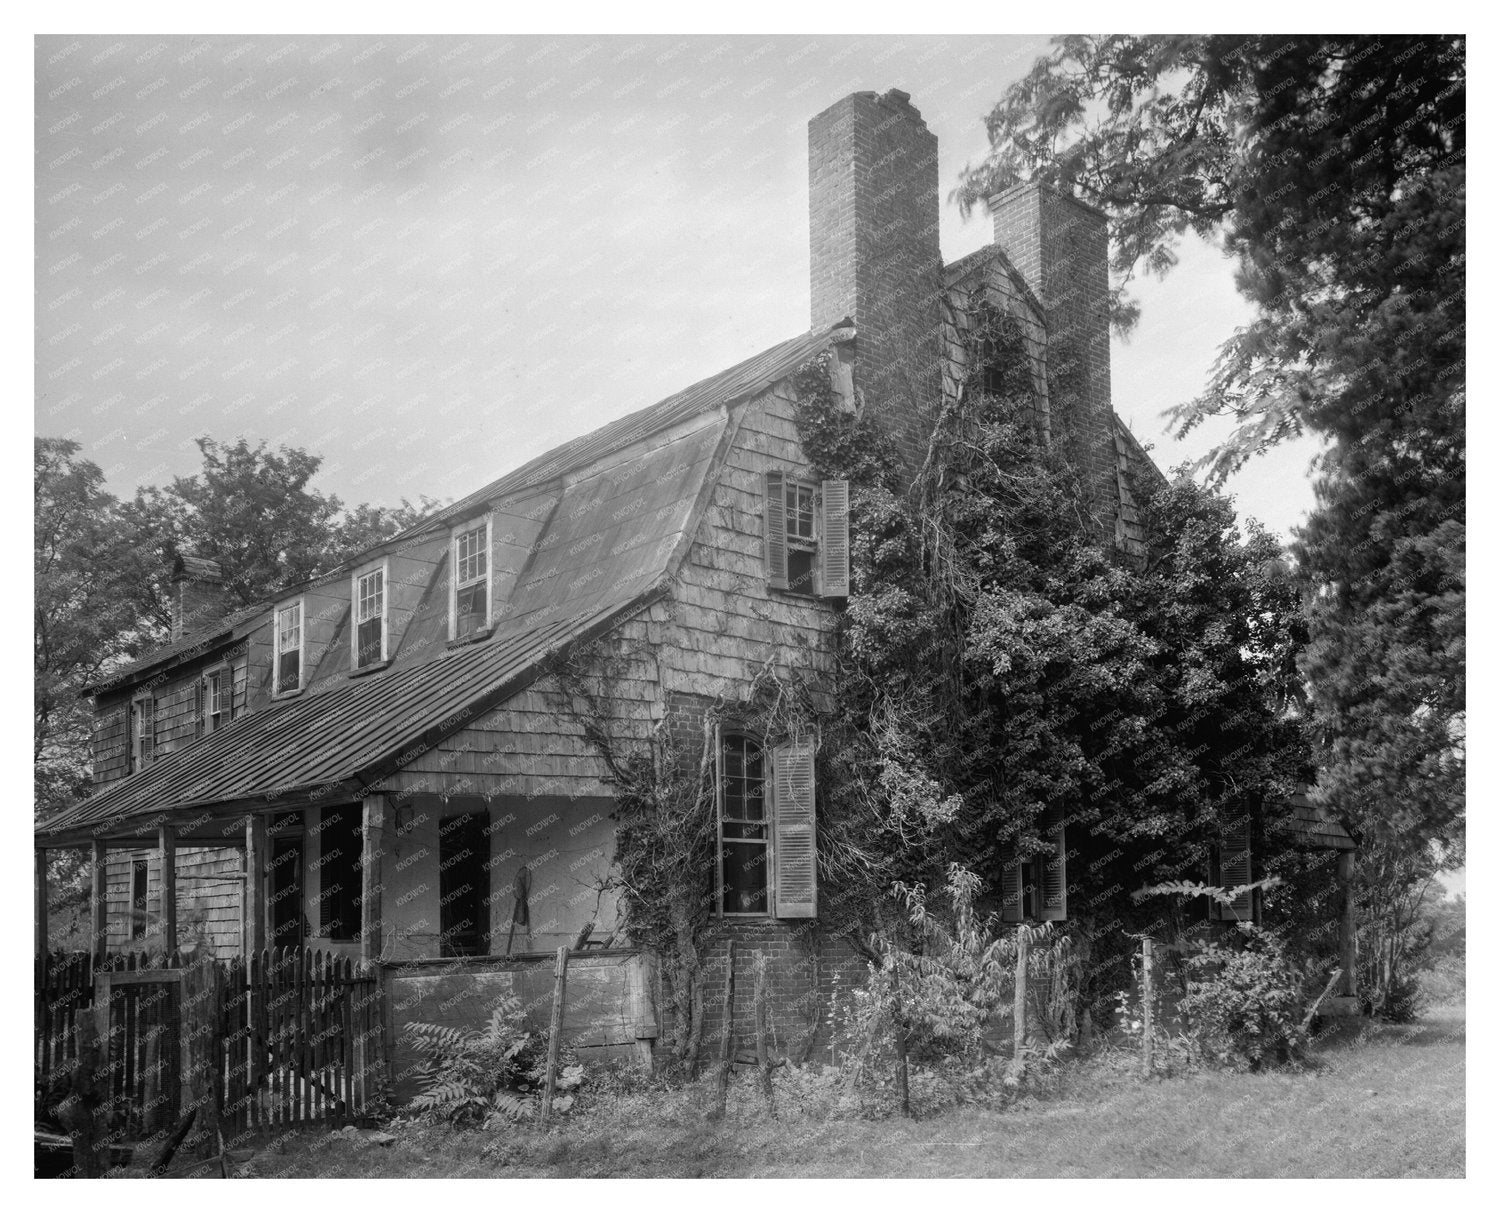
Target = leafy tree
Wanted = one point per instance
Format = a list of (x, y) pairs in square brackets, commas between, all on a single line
[(252, 509), (84, 615), (1332, 170)]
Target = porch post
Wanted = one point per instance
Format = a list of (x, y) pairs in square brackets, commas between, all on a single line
[(1348, 938), (166, 850), (41, 901), (369, 878), (99, 901), (253, 925)]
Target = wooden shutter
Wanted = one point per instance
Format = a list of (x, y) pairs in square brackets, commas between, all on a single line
[(200, 698), (775, 530), (795, 835), (1012, 886), (1054, 865), (833, 548), (1234, 873), (148, 730)]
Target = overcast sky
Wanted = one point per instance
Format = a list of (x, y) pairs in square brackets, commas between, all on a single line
[(429, 259)]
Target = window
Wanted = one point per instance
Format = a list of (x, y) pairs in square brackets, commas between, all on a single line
[(767, 858), (369, 618), (138, 899), (807, 536), (1233, 870), (340, 845), (464, 884), (744, 872), (217, 694), (142, 732), (289, 649), (1034, 888), (285, 896), (471, 581)]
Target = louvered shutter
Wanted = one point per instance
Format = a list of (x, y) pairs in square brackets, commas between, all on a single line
[(795, 840), (833, 549), (148, 731), (1234, 873), (775, 530), (198, 700), (1012, 887), (1054, 865)]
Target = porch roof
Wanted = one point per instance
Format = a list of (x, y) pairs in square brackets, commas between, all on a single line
[(333, 744)]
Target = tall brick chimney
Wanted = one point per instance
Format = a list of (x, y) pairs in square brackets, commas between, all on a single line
[(199, 597), (1061, 247), (873, 192)]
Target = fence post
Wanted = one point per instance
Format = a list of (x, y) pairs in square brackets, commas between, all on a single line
[(762, 1050), (554, 1034), (726, 1042), (1147, 1016), (1023, 949)]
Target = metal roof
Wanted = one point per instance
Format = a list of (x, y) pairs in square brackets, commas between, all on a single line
[(609, 545), (743, 380), (350, 733)]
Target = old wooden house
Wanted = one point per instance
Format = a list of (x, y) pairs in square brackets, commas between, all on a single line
[(377, 762)]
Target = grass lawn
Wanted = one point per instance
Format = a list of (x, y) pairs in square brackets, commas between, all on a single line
[(1387, 1101)]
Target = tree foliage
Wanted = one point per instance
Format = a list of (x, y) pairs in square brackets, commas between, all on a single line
[(102, 568), (1332, 170), (1000, 661)]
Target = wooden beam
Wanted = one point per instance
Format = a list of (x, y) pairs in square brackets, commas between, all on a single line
[(1348, 924), (253, 924), (166, 851), (371, 853), (99, 900), (41, 902)]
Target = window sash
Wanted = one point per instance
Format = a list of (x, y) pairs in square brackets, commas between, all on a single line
[(370, 596), (741, 767), (801, 512), (215, 695), (470, 608), (470, 556), (289, 628), (289, 671)]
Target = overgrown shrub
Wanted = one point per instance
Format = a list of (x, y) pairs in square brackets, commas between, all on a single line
[(472, 1076), (1245, 1005)]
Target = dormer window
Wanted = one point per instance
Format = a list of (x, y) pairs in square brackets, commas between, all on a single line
[(471, 581), (369, 618), (289, 649), (217, 697), (142, 732)]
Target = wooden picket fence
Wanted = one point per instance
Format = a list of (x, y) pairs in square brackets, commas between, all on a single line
[(298, 1037)]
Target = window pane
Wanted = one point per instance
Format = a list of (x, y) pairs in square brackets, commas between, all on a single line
[(371, 596), (471, 555), (289, 671), (289, 627), (744, 877), (799, 571), (470, 608)]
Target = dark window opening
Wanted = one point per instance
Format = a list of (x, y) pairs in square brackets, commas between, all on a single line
[(285, 894), (743, 870), (464, 884), (138, 899), (289, 671), (340, 844), (470, 609), (368, 642)]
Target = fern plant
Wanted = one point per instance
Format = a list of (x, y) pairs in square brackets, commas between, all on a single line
[(471, 1076)]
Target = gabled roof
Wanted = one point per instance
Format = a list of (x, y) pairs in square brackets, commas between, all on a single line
[(615, 534), (739, 382)]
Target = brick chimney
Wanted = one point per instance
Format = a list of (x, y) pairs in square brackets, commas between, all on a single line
[(199, 597), (1060, 245), (873, 193)]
